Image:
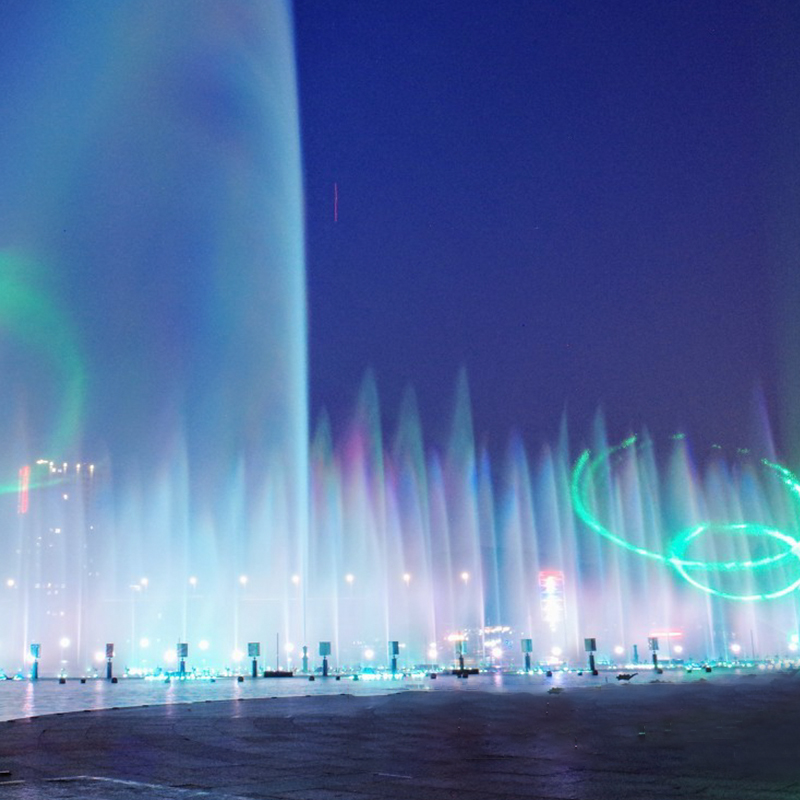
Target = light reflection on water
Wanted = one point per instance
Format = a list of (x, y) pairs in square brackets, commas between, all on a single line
[(19, 699)]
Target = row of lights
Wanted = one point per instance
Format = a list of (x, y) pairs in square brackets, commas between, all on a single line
[(243, 579), (170, 656), (369, 653)]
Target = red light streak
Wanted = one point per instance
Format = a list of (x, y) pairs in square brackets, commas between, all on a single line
[(24, 483)]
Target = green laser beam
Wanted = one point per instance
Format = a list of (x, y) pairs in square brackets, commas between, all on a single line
[(583, 475)]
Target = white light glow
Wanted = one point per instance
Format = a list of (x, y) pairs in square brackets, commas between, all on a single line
[(295, 579), (11, 583), (144, 642), (497, 652), (619, 649), (170, 656), (556, 651), (736, 648), (243, 580), (349, 577), (99, 656), (465, 576), (193, 581), (407, 577), (237, 655), (289, 647), (64, 641), (433, 653), (678, 649), (203, 644), (369, 654)]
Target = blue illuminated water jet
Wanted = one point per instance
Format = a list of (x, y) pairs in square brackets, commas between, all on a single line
[(152, 233), (153, 316)]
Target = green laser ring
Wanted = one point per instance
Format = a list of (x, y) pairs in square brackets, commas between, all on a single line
[(680, 543), (582, 475)]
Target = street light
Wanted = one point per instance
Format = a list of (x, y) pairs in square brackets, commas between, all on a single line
[(237, 611), (407, 578), (63, 643), (185, 626), (135, 587)]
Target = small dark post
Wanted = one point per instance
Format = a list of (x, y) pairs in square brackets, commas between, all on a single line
[(590, 645), (460, 654), (35, 650), (324, 651), (254, 651), (109, 659), (527, 648), (305, 658), (182, 650), (652, 642), (636, 654), (394, 651)]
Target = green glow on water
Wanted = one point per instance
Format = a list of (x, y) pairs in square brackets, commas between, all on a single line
[(582, 479), (682, 540), (34, 321), (583, 475)]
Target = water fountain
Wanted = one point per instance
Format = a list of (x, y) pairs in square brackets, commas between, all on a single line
[(152, 314)]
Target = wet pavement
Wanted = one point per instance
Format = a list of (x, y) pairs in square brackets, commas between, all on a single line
[(732, 738), (48, 696)]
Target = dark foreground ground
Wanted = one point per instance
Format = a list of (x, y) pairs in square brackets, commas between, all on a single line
[(739, 740)]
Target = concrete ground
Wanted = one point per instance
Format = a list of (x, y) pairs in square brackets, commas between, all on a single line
[(653, 740)]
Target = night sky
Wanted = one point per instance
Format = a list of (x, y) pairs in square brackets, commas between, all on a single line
[(585, 205)]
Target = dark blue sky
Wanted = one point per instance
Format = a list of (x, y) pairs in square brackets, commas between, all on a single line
[(578, 202)]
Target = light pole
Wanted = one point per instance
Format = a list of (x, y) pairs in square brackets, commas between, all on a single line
[(527, 648), (240, 590), (36, 650), (590, 645), (407, 582), (193, 592), (297, 583), (341, 657), (63, 643), (135, 587), (465, 580)]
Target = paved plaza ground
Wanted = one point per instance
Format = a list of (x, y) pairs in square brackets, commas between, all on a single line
[(706, 739)]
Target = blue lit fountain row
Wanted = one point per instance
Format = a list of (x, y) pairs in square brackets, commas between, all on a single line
[(413, 545)]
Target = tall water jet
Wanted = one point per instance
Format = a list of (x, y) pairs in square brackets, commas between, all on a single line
[(152, 232), (155, 460)]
